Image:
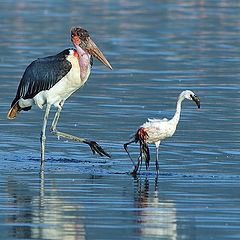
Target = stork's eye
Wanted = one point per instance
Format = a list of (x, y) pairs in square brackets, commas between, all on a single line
[(82, 34)]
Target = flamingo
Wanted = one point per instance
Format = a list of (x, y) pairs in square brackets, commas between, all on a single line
[(155, 130), (51, 80)]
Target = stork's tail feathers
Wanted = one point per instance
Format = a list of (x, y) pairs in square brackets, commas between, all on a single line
[(14, 110), (141, 136)]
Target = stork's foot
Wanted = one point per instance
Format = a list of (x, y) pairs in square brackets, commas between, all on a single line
[(96, 148)]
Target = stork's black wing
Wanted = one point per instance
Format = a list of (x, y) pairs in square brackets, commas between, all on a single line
[(42, 74)]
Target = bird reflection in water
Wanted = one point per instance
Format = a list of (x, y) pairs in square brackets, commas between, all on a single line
[(156, 217), (48, 216)]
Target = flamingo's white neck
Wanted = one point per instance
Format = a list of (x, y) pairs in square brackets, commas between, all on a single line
[(176, 116)]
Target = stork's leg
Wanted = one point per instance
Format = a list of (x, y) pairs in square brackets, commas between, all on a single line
[(43, 134), (93, 145), (126, 149)]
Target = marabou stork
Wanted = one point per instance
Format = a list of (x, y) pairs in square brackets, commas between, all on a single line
[(51, 80), (155, 130)]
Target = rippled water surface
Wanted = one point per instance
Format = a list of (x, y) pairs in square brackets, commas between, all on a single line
[(157, 49)]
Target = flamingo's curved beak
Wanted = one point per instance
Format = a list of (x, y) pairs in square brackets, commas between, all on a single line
[(196, 100)]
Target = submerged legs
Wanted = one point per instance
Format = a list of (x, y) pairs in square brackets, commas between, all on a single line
[(144, 153), (140, 157), (139, 161), (126, 149)]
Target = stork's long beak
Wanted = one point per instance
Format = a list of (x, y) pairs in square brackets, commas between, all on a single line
[(196, 100), (95, 51)]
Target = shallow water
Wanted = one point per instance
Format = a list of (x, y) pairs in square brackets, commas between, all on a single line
[(157, 49)]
